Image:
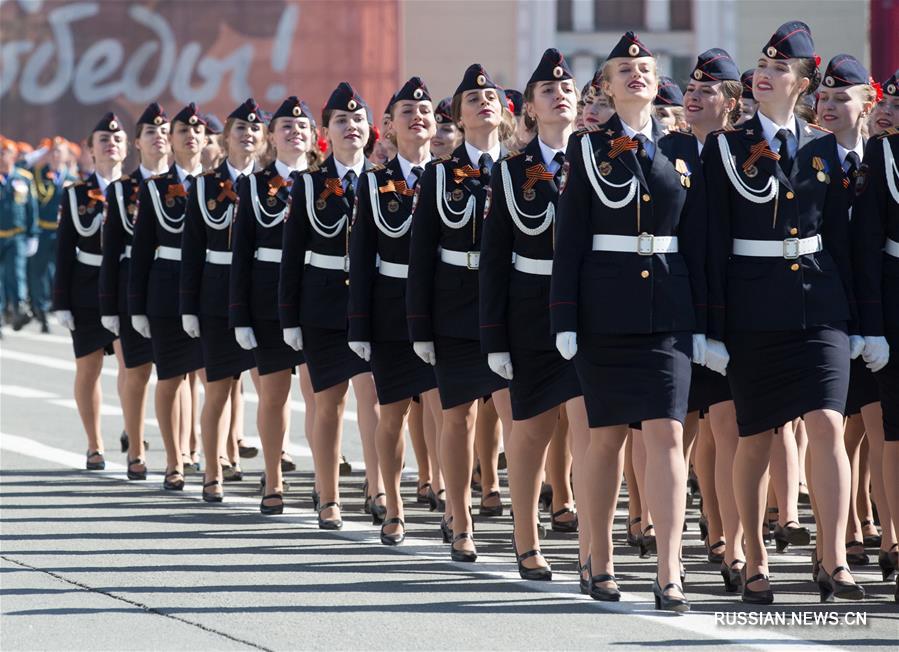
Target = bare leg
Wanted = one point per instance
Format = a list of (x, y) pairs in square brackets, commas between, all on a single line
[(750, 490), (602, 467), (558, 465), (88, 396), (486, 443), (272, 421), (214, 426), (235, 426), (639, 458), (416, 426), (329, 405), (433, 420), (391, 448), (723, 420), (785, 474), (368, 409), (134, 406), (456, 454), (168, 415), (852, 438), (878, 451), (580, 444), (309, 419), (634, 504), (704, 465)]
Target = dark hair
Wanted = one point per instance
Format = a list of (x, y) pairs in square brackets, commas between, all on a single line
[(528, 96), (733, 90), (808, 67), (506, 126)]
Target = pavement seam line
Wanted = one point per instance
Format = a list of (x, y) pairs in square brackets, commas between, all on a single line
[(143, 607)]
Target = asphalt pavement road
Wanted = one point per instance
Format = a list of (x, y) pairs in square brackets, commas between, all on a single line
[(91, 561)]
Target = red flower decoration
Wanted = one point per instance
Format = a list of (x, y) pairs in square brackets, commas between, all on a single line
[(322, 145), (818, 60), (377, 133), (511, 105), (877, 88)]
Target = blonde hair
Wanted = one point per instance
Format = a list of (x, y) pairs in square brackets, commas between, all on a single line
[(506, 125), (260, 152), (531, 123), (606, 71)]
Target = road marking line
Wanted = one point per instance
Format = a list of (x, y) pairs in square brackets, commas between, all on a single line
[(489, 567), (18, 391)]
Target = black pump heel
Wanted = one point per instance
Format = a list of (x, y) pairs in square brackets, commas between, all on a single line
[(446, 530), (462, 555), (490, 511), (647, 542), (831, 588), (137, 475), (329, 523), (668, 603), (539, 574), (423, 498), (270, 510), (177, 485), (751, 596), (209, 496), (785, 536), (888, 562), (584, 583), (731, 576), (378, 512), (604, 593), (396, 538)]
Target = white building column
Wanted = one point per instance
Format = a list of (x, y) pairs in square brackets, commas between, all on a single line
[(581, 15), (536, 31), (582, 67), (658, 15)]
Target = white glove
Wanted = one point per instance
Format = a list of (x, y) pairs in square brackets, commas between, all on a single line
[(856, 346), (566, 344), (141, 324), (293, 337), (716, 356), (425, 351), (191, 325), (111, 323), (31, 246), (245, 337), (362, 349), (66, 318), (500, 364), (876, 353), (700, 347)]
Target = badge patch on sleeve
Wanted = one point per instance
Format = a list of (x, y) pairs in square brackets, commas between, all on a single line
[(488, 201), (861, 181), (563, 178)]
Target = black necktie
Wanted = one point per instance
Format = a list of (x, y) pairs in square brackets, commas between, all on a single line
[(350, 188), (188, 181), (643, 154), (485, 163), (786, 160), (416, 172), (559, 159), (854, 161)]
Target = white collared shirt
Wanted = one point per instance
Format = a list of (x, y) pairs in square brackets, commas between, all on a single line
[(182, 173), (342, 170), (548, 154), (646, 131), (233, 172), (475, 154), (146, 174), (284, 171), (859, 149), (103, 183), (770, 129), (406, 169), (699, 146)]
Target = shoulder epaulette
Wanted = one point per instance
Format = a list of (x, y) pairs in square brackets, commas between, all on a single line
[(437, 161), (124, 178), (512, 154), (312, 168), (157, 177), (77, 184), (889, 131), (376, 167), (25, 173), (819, 128), (587, 130)]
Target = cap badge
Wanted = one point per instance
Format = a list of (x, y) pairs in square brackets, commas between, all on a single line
[(481, 80), (417, 93), (113, 125), (438, 118), (697, 74), (192, 120), (771, 51), (296, 111), (891, 89), (251, 117), (633, 50), (558, 72), (828, 81), (157, 120), (351, 105)]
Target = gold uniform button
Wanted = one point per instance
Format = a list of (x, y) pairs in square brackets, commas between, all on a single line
[(790, 194), (794, 231), (644, 274), (795, 267), (646, 197)]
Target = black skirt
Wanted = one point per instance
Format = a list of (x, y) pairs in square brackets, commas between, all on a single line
[(627, 379), (89, 334), (888, 381), (174, 352), (541, 380), (778, 376), (271, 353), (399, 373), (136, 349), (223, 357), (863, 387), (329, 358), (707, 387), (462, 372)]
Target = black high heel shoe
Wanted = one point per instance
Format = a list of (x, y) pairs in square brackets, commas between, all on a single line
[(490, 511), (545, 501), (137, 475), (856, 558), (785, 536), (423, 498), (285, 485), (177, 485), (123, 441), (95, 466), (435, 502), (316, 500), (887, 562), (446, 529), (647, 542), (287, 463), (270, 510), (703, 527), (633, 540), (731, 576), (603, 593), (816, 565), (378, 512), (769, 524), (831, 588), (751, 596), (462, 555), (584, 583), (396, 538), (669, 603), (870, 540), (210, 496), (539, 574), (564, 526), (715, 557), (329, 523)]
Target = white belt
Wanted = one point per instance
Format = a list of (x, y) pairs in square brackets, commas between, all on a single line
[(323, 261), (126, 253), (168, 253), (393, 270), (218, 257), (644, 244), (94, 260), (537, 266), (892, 248), (790, 249), (268, 255), (469, 259)]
